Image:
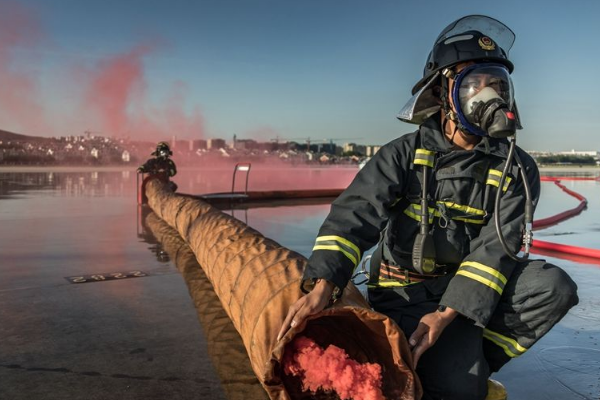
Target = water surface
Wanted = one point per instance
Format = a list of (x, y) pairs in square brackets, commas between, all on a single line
[(142, 336)]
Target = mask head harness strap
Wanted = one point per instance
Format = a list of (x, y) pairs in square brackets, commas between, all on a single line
[(449, 114)]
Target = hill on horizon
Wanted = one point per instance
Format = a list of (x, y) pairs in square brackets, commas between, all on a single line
[(6, 135)]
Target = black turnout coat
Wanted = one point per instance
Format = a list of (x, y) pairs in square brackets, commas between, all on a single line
[(159, 166), (383, 202)]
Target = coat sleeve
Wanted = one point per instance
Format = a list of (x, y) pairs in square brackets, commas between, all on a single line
[(358, 215), (172, 168), (480, 280), (147, 166)]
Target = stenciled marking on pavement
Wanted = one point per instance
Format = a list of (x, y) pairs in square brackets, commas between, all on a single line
[(106, 277)]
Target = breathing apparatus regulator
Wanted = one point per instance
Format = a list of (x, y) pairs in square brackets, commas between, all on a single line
[(469, 64)]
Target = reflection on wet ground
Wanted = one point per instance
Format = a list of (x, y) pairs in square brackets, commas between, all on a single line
[(140, 338), (226, 349)]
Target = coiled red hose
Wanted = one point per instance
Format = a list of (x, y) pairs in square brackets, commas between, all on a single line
[(555, 219)]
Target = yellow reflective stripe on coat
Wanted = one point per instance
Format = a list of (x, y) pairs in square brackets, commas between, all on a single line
[(494, 177), (338, 243), (510, 346), (384, 282), (414, 211), (483, 274), (466, 209), (424, 157), (472, 215)]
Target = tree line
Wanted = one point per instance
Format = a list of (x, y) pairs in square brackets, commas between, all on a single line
[(566, 159)]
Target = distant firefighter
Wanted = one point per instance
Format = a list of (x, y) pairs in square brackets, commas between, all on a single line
[(161, 165)]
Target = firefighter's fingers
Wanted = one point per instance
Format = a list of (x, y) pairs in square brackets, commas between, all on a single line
[(306, 306), (289, 320), (420, 348), (418, 334), (419, 342), (314, 302)]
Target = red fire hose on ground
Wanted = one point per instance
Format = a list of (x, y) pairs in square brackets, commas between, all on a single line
[(555, 219)]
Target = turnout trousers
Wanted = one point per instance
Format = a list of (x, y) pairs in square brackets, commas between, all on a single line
[(457, 366)]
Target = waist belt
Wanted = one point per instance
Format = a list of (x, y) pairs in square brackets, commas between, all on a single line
[(388, 271)]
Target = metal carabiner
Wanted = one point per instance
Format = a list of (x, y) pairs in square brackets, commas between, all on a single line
[(443, 215), (363, 270)]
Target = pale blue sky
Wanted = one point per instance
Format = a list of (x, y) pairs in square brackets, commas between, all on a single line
[(320, 69)]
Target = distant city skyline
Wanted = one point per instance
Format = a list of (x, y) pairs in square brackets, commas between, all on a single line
[(267, 69)]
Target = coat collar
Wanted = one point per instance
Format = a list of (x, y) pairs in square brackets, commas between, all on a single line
[(433, 139)]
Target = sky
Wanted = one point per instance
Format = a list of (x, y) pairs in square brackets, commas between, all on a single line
[(277, 69)]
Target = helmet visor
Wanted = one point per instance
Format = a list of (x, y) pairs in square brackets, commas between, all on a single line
[(422, 105), (478, 86)]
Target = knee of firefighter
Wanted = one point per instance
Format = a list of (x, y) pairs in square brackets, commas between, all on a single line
[(562, 290), (473, 388)]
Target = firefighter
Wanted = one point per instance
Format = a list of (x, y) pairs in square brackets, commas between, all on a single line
[(446, 267), (161, 165)]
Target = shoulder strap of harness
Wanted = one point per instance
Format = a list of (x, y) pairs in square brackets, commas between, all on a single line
[(425, 158)]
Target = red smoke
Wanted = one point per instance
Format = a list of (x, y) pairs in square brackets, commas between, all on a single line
[(19, 109), (116, 94), (111, 97), (332, 370), (112, 87)]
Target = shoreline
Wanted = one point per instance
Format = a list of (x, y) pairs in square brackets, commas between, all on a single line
[(132, 168)]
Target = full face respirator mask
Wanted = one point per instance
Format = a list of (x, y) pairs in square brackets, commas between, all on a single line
[(483, 96)]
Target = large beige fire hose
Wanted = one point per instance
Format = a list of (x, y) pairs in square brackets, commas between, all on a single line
[(257, 280), (226, 349)]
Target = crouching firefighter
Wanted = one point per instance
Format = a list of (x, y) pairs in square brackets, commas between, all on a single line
[(161, 165), (448, 207)]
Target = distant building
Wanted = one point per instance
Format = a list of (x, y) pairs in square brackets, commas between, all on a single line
[(371, 150), (125, 156), (197, 145), (244, 144), (354, 148), (580, 153), (181, 145), (215, 144)]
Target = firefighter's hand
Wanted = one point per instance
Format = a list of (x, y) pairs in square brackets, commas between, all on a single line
[(307, 305), (428, 331)]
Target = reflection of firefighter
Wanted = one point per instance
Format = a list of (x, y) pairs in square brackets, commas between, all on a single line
[(161, 165), (147, 236)]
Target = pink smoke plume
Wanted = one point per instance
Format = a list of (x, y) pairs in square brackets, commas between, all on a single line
[(19, 108), (110, 97), (116, 93), (114, 85), (332, 370)]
